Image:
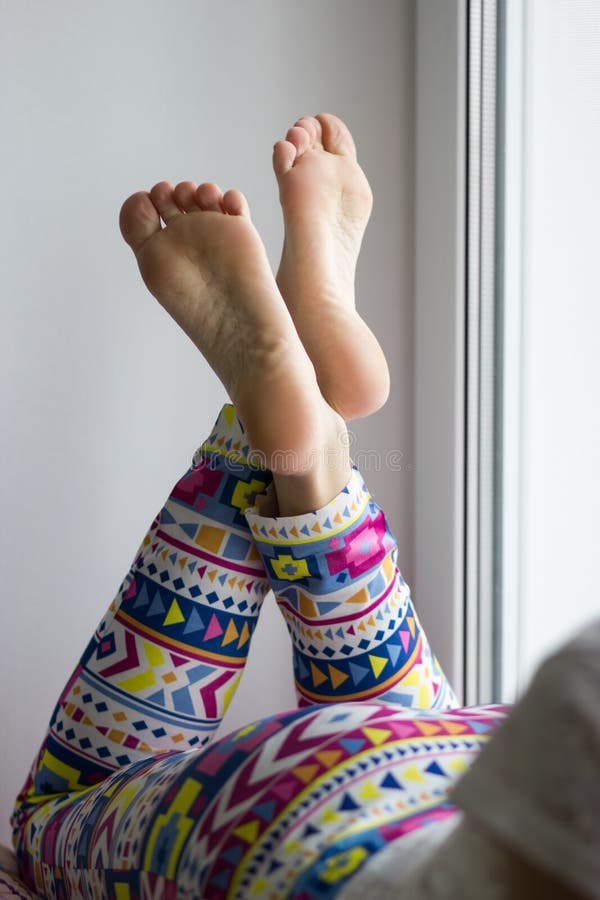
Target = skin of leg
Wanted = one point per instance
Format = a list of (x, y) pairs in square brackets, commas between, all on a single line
[(326, 202), (165, 269), (210, 271)]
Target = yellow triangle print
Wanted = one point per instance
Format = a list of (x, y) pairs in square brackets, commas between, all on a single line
[(174, 616), (428, 728), (369, 792), (337, 677), (329, 816), (248, 832), (231, 634), (413, 774), (378, 664), (455, 727), (244, 636), (318, 677), (307, 607), (411, 625), (292, 847), (229, 414), (359, 597), (328, 758), (306, 773), (377, 736)]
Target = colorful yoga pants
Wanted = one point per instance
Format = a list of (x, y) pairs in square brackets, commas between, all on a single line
[(126, 800)]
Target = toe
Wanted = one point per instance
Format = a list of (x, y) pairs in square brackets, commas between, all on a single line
[(235, 203), (312, 125), (162, 197), (300, 138), (185, 196), (138, 219), (336, 135), (209, 197), (284, 155)]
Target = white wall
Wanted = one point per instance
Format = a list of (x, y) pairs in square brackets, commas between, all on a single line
[(102, 398), (560, 531)]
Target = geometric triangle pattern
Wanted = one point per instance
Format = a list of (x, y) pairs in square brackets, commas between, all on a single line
[(291, 806), (355, 633), (390, 776), (163, 664), (114, 808)]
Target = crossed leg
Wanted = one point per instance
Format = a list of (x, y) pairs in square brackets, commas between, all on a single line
[(159, 671), (122, 800)]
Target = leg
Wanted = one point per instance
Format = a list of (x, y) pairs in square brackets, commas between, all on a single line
[(326, 202), (355, 632), (162, 666), (209, 269)]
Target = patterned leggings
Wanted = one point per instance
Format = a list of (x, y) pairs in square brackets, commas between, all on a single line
[(126, 800)]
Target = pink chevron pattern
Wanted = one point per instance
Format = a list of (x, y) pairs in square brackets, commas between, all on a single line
[(164, 662), (264, 812), (122, 799)]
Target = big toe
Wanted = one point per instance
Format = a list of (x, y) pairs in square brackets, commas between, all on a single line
[(138, 219), (336, 135)]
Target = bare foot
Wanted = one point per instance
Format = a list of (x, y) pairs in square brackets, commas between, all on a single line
[(327, 202), (207, 266)]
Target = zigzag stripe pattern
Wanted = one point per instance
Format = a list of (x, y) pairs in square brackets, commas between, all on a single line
[(290, 806), (355, 633), (123, 801), (162, 666)]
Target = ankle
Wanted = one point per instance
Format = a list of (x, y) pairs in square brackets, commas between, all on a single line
[(317, 477)]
